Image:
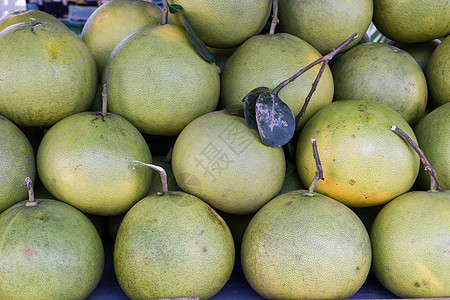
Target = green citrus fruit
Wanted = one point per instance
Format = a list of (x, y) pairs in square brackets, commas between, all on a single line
[(410, 245), (87, 160), (173, 246), (325, 24), (384, 74), (218, 158), (48, 251), (438, 73), (113, 21), (17, 162), (421, 52), (432, 134), (268, 60), (25, 15), (159, 82), (364, 162), (47, 74), (223, 23), (302, 247), (412, 21)]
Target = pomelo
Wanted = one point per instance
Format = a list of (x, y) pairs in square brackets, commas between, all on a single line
[(23, 16), (438, 73)]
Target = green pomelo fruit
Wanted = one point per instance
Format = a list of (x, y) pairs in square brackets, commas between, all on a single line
[(421, 52), (438, 73), (325, 24), (48, 251), (433, 132), (17, 162), (159, 82), (173, 246), (23, 16), (87, 160), (303, 247), (112, 22), (384, 74), (223, 23), (410, 245), (268, 60), (47, 74), (412, 21), (219, 159), (364, 162)]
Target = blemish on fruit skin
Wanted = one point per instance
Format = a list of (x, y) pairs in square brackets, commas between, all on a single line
[(288, 203), (317, 131), (425, 284), (387, 268), (204, 249), (417, 284), (353, 136), (351, 182)]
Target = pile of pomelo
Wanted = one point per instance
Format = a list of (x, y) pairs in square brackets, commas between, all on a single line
[(197, 131)]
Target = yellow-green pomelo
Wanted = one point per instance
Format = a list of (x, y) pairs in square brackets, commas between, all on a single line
[(224, 23), (412, 21), (433, 136), (325, 24), (47, 73), (17, 162), (384, 74), (410, 245), (218, 158), (113, 21), (173, 246), (268, 60), (302, 247), (50, 250), (23, 16), (421, 52), (438, 73), (159, 82), (364, 162), (87, 160)]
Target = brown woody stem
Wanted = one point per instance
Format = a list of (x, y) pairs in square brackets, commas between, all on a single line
[(165, 12), (31, 201), (275, 19), (104, 91), (435, 184), (319, 171), (324, 59), (162, 174)]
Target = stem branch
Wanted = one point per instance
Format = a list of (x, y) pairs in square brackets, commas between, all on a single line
[(275, 19), (162, 174), (435, 184), (165, 12), (104, 91), (319, 171), (31, 200)]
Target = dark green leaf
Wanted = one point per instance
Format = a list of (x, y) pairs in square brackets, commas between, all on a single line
[(197, 42), (235, 110), (174, 8), (249, 106), (275, 120)]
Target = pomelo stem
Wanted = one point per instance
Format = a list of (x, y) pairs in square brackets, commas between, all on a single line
[(165, 12), (435, 184), (319, 170), (104, 91), (325, 60), (275, 19), (162, 174), (31, 201)]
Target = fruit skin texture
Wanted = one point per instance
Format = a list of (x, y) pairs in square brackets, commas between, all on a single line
[(432, 134), (438, 74), (265, 60), (224, 23), (325, 24), (219, 159), (113, 21), (25, 15), (410, 245), (47, 73), (159, 82), (17, 161), (384, 74), (301, 247), (364, 162), (87, 161), (173, 246), (412, 21), (48, 251)]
